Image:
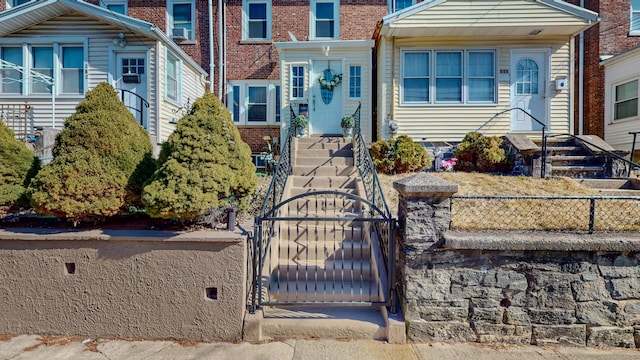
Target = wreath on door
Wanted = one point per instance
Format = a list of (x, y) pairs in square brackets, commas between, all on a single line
[(328, 82)]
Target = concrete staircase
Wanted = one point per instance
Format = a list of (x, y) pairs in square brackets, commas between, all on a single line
[(567, 157), (316, 261), (613, 187)]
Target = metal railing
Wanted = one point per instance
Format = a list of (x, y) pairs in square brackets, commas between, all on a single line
[(586, 214), (16, 117), (135, 103)]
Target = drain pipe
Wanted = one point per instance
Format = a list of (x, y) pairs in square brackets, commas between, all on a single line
[(581, 81), (212, 66), (221, 50)]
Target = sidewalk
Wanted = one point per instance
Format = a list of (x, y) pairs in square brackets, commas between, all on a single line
[(34, 347)]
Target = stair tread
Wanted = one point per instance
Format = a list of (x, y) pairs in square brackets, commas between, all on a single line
[(577, 168)]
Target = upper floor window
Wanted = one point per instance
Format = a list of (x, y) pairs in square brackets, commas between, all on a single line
[(297, 82), (117, 6), (257, 19), (401, 4), (181, 19), (14, 3), (449, 77), (635, 16), (325, 19), (355, 82), (626, 100), (172, 78)]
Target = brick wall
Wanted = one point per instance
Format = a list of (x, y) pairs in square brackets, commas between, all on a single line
[(252, 135)]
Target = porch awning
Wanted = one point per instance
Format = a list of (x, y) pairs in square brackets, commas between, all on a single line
[(488, 18)]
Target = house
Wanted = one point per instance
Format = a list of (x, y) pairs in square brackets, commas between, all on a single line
[(277, 50), (53, 51), (447, 67)]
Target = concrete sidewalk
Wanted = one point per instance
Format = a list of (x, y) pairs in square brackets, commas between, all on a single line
[(34, 347)]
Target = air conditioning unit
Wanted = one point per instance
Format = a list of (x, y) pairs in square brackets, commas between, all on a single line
[(180, 34)]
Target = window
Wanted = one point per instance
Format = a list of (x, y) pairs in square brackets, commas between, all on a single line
[(72, 70), (297, 82), (635, 16), (172, 74), (526, 77), (449, 77), (41, 62), (257, 20), (255, 102), (10, 78), (14, 3), (325, 17), (355, 82), (117, 6), (626, 101), (181, 16), (401, 4)]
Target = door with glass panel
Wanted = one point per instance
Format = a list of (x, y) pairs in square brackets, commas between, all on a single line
[(528, 89), (131, 82)]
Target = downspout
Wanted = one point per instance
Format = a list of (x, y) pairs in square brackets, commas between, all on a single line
[(581, 81), (221, 50), (156, 99), (212, 66)]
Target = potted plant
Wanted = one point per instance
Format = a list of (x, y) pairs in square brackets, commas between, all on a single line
[(347, 124), (300, 124)]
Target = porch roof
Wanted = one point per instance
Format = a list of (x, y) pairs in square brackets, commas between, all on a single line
[(24, 16), (468, 18), (319, 45)]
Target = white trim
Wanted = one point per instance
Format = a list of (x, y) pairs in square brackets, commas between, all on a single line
[(613, 101), (243, 101), (245, 19), (105, 4), (312, 20), (170, 21), (178, 100), (317, 45)]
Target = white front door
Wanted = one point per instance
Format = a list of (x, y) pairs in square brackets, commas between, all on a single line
[(528, 89), (131, 69), (326, 106)]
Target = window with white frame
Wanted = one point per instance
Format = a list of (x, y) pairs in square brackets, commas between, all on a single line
[(10, 76), (172, 75), (257, 20), (635, 17), (14, 3), (42, 63), (401, 4), (72, 71), (182, 16), (254, 102), (449, 77), (626, 100), (297, 82), (117, 6), (355, 81), (325, 19)]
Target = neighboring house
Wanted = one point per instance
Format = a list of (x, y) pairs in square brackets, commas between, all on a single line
[(275, 52), (446, 67), (53, 51)]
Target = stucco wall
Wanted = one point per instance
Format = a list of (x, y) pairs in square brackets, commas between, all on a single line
[(123, 284)]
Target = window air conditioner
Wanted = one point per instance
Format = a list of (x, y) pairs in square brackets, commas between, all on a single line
[(180, 34)]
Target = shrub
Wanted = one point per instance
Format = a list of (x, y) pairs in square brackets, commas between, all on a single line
[(482, 153), (399, 155), (18, 165), (204, 164), (102, 157)]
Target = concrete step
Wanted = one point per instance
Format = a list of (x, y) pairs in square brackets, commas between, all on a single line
[(324, 181), (325, 233), (304, 190), (326, 170), (323, 140), (577, 168), (611, 184), (323, 145), (568, 150), (312, 248), (326, 153), (572, 158), (337, 272), (324, 161), (322, 205), (323, 291)]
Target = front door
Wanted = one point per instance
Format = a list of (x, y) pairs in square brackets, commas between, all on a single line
[(326, 105), (131, 81), (528, 89)]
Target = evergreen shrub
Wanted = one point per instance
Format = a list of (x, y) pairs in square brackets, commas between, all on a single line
[(204, 164), (102, 158), (482, 153), (401, 155), (18, 165)]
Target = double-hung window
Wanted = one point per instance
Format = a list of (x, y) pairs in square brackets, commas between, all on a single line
[(41, 63), (172, 83), (254, 102), (117, 6), (257, 20), (10, 70), (72, 70), (325, 19), (401, 4), (635, 17), (449, 77), (182, 15), (626, 100)]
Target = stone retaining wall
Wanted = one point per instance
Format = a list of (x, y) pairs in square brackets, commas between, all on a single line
[(541, 289)]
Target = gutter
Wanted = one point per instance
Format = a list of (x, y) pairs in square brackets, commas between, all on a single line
[(212, 66), (221, 49)]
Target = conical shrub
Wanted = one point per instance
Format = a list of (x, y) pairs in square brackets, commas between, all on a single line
[(204, 164), (17, 166), (102, 157)]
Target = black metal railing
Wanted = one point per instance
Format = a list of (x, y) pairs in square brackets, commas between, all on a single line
[(135, 103), (543, 133), (587, 214)]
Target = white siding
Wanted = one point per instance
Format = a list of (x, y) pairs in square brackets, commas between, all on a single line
[(451, 123), (616, 133)]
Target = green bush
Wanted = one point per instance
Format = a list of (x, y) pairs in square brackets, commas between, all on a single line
[(18, 165), (399, 155), (204, 164), (102, 158), (482, 153)]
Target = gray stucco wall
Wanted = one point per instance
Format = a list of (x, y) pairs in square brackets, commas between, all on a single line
[(123, 284)]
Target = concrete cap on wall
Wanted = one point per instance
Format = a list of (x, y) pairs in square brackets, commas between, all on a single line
[(425, 185)]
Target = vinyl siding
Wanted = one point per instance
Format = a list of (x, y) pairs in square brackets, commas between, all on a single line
[(451, 123), (616, 133)]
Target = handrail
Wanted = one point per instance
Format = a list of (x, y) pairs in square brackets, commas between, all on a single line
[(544, 138), (143, 103), (610, 153)]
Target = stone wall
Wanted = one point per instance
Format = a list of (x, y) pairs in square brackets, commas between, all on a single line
[(541, 289), (123, 284)]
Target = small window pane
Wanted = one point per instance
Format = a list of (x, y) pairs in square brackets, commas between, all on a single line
[(236, 104), (416, 90), (172, 78), (401, 4), (325, 22), (257, 110), (258, 21), (278, 103), (117, 8), (481, 90), (448, 64), (481, 64), (416, 64), (449, 90), (626, 103)]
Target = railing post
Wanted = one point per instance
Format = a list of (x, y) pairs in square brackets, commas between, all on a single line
[(633, 149), (592, 215), (543, 170)]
